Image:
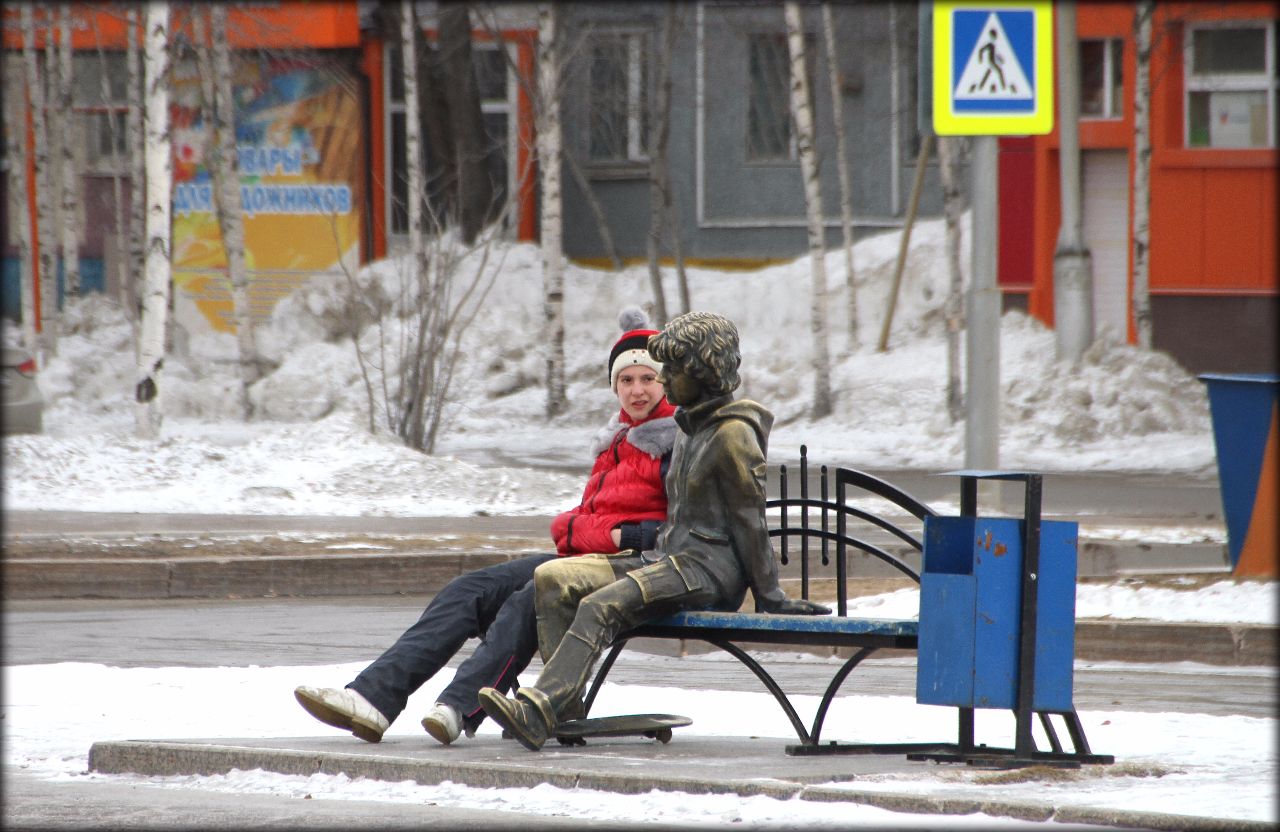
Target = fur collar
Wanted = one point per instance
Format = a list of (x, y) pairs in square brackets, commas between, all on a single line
[(654, 437)]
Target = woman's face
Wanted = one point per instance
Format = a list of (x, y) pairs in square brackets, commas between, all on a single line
[(638, 391)]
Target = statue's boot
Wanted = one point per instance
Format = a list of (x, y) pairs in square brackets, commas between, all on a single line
[(532, 716), (528, 717)]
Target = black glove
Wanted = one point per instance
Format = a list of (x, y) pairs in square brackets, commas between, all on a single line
[(792, 606), (640, 536)]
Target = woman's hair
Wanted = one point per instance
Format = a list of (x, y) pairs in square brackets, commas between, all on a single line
[(703, 345)]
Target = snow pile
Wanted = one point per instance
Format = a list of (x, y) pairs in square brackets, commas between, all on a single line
[(311, 449)]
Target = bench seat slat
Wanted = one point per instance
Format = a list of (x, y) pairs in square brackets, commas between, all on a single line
[(798, 624)]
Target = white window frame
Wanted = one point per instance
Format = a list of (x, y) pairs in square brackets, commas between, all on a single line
[(1264, 82), (1112, 70)]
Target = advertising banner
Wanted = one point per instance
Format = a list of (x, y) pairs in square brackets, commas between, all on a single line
[(300, 152)]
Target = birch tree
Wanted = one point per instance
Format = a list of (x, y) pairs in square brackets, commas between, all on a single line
[(1142, 23), (549, 151), (136, 94), (413, 129), (159, 173), (15, 134), (953, 308), (659, 172), (802, 112), (42, 172), (69, 202), (835, 81), (475, 188), (219, 113)]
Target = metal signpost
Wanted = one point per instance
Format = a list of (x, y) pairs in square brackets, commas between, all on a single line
[(992, 76)]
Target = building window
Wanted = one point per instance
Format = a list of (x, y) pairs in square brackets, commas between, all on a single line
[(1231, 85), (769, 131), (618, 110), (497, 89), (1101, 89)]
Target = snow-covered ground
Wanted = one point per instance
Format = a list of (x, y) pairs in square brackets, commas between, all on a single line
[(1121, 409), (1180, 763)]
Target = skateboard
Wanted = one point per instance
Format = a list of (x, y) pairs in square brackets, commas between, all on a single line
[(654, 726)]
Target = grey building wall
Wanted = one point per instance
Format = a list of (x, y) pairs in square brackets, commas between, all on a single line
[(749, 209)]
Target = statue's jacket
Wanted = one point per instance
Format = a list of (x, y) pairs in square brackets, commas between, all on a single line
[(715, 529)]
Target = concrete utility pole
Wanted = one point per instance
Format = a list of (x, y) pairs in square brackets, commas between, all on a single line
[(1072, 264), (982, 319)]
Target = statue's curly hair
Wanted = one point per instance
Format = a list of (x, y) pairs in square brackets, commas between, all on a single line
[(703, 345)]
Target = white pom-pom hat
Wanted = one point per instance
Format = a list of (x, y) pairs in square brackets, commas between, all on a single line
[(632, 348)]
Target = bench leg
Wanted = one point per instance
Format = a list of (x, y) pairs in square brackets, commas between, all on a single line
[(836, 681), (768, 681)]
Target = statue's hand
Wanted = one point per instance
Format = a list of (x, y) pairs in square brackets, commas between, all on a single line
[(792, 606)]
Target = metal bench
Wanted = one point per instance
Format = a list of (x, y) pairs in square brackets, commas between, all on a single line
[(833, 530)]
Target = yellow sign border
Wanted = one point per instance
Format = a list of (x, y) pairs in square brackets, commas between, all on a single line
[(947, 122)]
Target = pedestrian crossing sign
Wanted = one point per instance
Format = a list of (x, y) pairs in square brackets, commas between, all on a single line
[(992, 68)]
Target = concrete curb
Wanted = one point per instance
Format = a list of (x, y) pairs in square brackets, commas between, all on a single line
[(161, 572), (162, 758)]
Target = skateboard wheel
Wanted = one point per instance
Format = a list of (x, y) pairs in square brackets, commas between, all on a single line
[(571, 741), (663, 735)]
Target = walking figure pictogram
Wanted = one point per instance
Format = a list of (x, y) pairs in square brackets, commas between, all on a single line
[(987, 55)]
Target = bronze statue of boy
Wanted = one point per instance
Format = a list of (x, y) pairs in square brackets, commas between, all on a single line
[(713, 546)]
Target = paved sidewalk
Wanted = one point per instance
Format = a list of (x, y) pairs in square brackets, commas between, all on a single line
[(689, 763)]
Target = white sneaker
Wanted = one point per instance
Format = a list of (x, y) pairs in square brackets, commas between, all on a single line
[(343, 708), (443, 722)]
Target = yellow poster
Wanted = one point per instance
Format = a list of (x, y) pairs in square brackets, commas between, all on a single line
[(299, 148)]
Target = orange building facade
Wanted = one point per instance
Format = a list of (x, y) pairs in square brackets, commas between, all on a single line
[(1215, 92), (320, 128)]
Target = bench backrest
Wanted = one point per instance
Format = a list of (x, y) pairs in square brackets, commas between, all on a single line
[(832, 525)]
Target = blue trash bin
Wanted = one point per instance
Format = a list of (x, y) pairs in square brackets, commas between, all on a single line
[(971, 613)]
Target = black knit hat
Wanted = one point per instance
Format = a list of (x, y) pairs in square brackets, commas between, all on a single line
[(632, 348)]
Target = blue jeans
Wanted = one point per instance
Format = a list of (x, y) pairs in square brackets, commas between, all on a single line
[(495, 603)]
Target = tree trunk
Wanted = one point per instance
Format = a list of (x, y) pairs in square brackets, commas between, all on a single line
[(1142, 22), (137, 92), (214, 56), (19, 209), (659, 164), (904, 243), (842, 164), (475, 198), (669, 208), (548, 148), (802, 112), (435, 131), (413, 121), (159, 167), (953, 309), (409, 427), (45, 255), (68, 214)]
